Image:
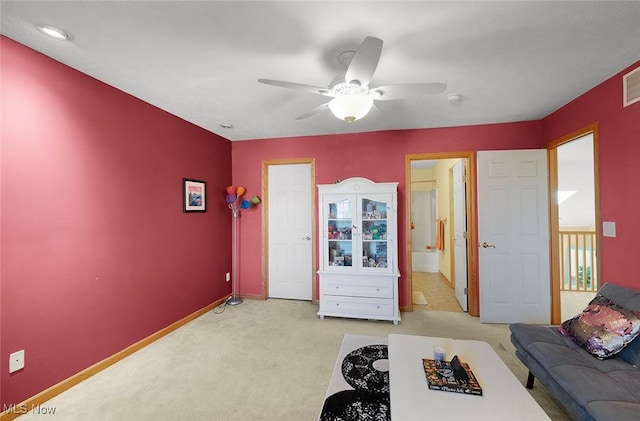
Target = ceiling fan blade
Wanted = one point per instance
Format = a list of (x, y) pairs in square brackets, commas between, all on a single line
[(365, 61), (318, 109), (296, 86), (407, 90)]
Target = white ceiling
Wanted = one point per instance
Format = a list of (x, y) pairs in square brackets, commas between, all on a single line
[(200, 60)]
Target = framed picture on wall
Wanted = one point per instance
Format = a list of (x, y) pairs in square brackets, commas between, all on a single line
[(194, 193)]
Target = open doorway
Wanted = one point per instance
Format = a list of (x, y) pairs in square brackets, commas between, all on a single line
[(437, 249), (574, 222)]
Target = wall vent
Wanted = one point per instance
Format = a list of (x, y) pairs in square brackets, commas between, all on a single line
[(631, 87)]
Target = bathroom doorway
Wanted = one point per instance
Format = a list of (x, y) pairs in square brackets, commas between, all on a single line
[(435, 243)]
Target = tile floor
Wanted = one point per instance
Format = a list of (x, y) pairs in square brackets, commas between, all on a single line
[(433, 288), (437, 292)]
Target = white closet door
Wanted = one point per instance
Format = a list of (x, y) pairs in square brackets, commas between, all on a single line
[(290, 243)]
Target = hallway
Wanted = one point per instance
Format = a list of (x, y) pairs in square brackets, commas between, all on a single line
[(432, 292)]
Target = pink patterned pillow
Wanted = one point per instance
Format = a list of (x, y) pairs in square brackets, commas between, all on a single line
[(603, 328)]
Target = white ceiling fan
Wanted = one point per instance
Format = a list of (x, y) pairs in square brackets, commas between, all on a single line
[(352, 96)]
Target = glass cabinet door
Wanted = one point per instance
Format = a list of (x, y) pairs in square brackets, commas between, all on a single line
[(374, 233), (339, 231)]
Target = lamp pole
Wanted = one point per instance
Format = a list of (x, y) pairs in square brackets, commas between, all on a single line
[(235, 300), (237, 204)]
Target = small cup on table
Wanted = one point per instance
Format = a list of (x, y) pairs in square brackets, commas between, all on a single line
[(438, 354)]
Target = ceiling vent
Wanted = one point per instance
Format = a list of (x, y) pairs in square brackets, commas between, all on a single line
[(631, 87)]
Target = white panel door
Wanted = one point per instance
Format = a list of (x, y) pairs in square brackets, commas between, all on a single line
[(460, 233), (513, 236), (290, 243)]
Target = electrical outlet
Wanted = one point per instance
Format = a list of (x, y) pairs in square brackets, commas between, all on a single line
[(16, 361), (227, 277)]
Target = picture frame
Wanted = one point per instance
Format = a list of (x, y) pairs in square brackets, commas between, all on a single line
[(194, 195)]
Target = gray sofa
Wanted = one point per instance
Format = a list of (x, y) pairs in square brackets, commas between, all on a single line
[(588, 388)]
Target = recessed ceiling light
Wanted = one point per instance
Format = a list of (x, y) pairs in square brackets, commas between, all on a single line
[(55, 32), (226, 125)]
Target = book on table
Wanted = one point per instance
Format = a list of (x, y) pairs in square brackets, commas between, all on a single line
[(451, 376)]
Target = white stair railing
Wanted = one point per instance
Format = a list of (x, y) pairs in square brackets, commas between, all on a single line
[(578, 271)]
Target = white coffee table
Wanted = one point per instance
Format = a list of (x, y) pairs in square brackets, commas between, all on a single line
[(504, 397)]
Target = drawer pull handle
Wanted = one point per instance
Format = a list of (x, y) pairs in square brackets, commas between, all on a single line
[(377, 289)]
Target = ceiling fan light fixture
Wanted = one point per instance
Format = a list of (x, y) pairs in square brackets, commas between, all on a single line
[(352, 97), (351, 107)]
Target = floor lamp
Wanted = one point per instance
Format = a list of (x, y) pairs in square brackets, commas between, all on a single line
[(237, 205)]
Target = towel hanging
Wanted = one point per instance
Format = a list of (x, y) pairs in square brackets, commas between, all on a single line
[(440, 233)]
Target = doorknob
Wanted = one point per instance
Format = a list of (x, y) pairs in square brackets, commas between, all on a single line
[(306, 238), (488, 246)]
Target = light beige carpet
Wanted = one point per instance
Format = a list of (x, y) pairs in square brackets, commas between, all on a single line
[(260, 360)]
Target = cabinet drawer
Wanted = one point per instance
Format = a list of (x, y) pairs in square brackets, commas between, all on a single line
[(382, 288), (332, 304)]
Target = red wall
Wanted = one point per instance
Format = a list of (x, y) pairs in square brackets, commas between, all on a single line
[(96, 251), (619, 138), (379, 156)]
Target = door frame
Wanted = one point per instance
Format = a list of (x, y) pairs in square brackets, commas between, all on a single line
[(265, 222), (472, 226), (554, 228)]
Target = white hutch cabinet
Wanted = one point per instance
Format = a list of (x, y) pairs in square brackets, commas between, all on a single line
[(359, 250)]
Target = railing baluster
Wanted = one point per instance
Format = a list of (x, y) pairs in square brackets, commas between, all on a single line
[(563, 277), (578, 257), (576, 261), (594, 270)]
